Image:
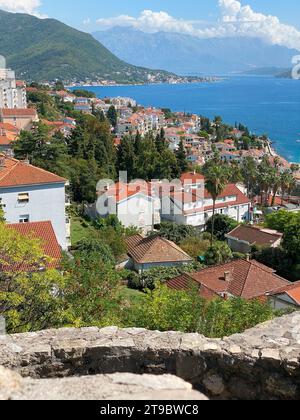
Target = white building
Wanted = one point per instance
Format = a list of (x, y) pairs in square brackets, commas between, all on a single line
[(30, 194), (192, 204), (12, 92), (133, 204)]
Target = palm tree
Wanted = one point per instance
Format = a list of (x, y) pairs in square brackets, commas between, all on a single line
[(288, 184), (217, 177), (250, 174), (276, 182)]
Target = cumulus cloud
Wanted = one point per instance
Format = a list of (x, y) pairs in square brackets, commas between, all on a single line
[(235, 20), (22, 6)]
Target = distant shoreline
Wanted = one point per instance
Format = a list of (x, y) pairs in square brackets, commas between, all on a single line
[(274, 150), (212, 80)]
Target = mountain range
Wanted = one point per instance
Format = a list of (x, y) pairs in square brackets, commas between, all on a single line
[(46, 49), (185, 54)]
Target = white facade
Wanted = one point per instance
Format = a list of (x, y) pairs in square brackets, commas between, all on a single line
[(198, 211), (139, 210), (11, 94), (38, 203)]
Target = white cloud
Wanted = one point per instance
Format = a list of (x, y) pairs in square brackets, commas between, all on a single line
[(23, 6), (235, 20)]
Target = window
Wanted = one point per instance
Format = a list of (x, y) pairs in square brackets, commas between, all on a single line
[(24, 218), (23, 198)]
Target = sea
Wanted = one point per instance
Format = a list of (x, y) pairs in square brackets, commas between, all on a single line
[(267, 105)]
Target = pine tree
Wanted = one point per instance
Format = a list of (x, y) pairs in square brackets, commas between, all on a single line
[(126, 158), (182, 158), (112, 116)]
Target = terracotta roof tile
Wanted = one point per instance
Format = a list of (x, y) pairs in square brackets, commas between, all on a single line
[(254, 235), (246, 279), (191, 177), (45, 233), (292, 290), (155, 250), (15, 173), (17, 112)]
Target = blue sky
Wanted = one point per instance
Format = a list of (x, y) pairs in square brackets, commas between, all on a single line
[(277, 22), (74, 12)]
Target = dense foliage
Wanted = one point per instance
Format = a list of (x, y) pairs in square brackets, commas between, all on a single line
[(285, 259), (222, 225), (169, 310)]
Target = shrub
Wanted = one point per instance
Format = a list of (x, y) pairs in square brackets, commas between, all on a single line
[(219, 253), (223, 225)]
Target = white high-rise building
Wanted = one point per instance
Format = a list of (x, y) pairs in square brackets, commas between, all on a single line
[(12, 92)]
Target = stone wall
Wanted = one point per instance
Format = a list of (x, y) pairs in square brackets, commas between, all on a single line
[(263, 363)]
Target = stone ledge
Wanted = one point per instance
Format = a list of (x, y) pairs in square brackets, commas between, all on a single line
[(119, 386), (261, 363)]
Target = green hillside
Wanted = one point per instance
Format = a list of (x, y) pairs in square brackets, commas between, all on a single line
[(46, 49)]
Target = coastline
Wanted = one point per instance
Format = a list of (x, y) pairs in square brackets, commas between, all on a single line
[(208, 80), (209, 97)]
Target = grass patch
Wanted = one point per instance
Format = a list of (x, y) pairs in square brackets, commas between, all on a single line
[(80, 229), (132, 296)]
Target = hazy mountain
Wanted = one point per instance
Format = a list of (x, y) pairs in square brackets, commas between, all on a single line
[(45, 49), (266, 71), (187, 54)]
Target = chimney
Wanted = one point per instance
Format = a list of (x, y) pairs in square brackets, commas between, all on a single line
[(227, 276), (2, 162), (248, 257)]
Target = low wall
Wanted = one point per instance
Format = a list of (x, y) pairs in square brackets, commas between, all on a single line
[(262, 363)]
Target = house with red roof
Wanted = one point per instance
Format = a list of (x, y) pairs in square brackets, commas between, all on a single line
[(44, 232), (135, 205), (191, 204), (244, 237), (154, 251), (286, 297), (244, 279), (30, 194), (22, 119)]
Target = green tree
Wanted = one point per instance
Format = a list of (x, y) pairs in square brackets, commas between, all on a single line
[(222, 225), (161, 142), (218, 253), (216, 179), (166, 309), (27, 298), (92, 292), (176, 232), (280, 220), (182, 158), (126, 158), (96, 245), (195, 246), (291, 240), (112, 115)]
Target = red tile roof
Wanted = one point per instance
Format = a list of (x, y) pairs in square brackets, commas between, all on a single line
[(121, 191), (5, 141), (155, 250), (14, 173), (17, 112), (191, 178), (45, 233), (246, 279), (9, 127), (255, 236), (292, 290)]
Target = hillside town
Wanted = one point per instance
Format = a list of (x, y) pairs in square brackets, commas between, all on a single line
[(218, 214)]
